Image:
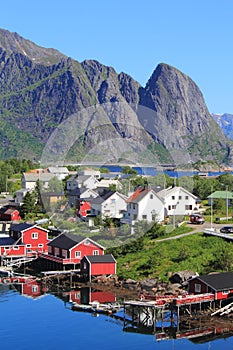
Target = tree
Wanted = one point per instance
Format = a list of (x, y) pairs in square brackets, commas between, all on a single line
[(29, 204)]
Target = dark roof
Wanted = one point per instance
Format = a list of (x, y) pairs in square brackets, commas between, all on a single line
[(218, 281), (21, 227), (103, 197), (108, 258), (66, 241), (6, 241)]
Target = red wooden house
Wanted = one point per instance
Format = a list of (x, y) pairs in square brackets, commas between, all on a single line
[(220, 284), (69, 248), (93, 265), (9, 214), (24, 240)]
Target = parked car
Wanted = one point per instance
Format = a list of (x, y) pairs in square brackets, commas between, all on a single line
[(226, 229), (196, 219)]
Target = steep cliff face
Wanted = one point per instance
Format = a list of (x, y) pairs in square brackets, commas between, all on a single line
[(41, 88)]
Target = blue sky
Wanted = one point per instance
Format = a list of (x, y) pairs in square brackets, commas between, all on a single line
[(195, 36)]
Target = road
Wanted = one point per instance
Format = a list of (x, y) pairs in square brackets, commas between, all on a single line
[(196, 229)]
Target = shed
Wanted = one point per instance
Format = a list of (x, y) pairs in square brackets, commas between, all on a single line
[(221, 284), (98, 265)]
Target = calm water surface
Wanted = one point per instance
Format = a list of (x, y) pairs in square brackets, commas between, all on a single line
[(47, 322)]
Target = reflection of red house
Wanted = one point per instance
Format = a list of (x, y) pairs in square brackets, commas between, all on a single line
[(69, 248), (9, 214), (86, 296), (31, 289), (24, 240), (98, 265), (220, 284)]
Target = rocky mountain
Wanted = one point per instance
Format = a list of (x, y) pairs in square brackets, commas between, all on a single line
[(225, 121), (105, 113)]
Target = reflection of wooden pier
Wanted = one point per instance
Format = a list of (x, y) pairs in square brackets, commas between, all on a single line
[(164, 311)]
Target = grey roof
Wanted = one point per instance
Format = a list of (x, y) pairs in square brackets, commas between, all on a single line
[(21, 227), (66, 241), (33, 177), (218, 281), (103, 197), (108, 258), (58, 170)]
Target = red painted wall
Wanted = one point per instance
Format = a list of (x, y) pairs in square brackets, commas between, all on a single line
[(84, 207), (13, 252), (42, 239), (103, 269), (86, 249), (204, 287)]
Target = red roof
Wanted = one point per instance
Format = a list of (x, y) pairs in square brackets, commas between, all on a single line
[(138, 194)]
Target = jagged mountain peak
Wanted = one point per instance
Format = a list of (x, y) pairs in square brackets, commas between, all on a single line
[(14, 43)]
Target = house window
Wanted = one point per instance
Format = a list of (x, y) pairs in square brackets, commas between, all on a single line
[(197, 288), (169, 207), (87, 243), (6, 249), (95, 252), (186, 197), (15, 248), (77, 295), (173, 198), (40, 245), (135, 216), (188, 207), (28, 245), (77, 254), (134, 206), (84, 265), (173, 206), (34, 235), (151, 196), (144, 217), (34, 289), (49, 249), (180, 197), (225, 292)]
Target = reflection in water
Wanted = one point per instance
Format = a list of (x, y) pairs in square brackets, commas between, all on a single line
[(199, 329)]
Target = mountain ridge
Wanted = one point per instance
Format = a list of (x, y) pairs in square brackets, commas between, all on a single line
[(41, 88)]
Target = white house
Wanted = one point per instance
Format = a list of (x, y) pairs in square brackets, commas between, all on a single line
[(29, 180), (60, 172), (109, 204), (179, 201), (106, 183), (90, 172), (144, 204), (81, 181)]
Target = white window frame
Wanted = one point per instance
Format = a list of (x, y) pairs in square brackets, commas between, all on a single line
[(28, 245), (35, 288), (34, 235), (15, 248), (40, 245), (197, 288), (95, 252), (78, 254)]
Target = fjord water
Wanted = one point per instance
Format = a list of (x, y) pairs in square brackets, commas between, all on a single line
[(47, 323)]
